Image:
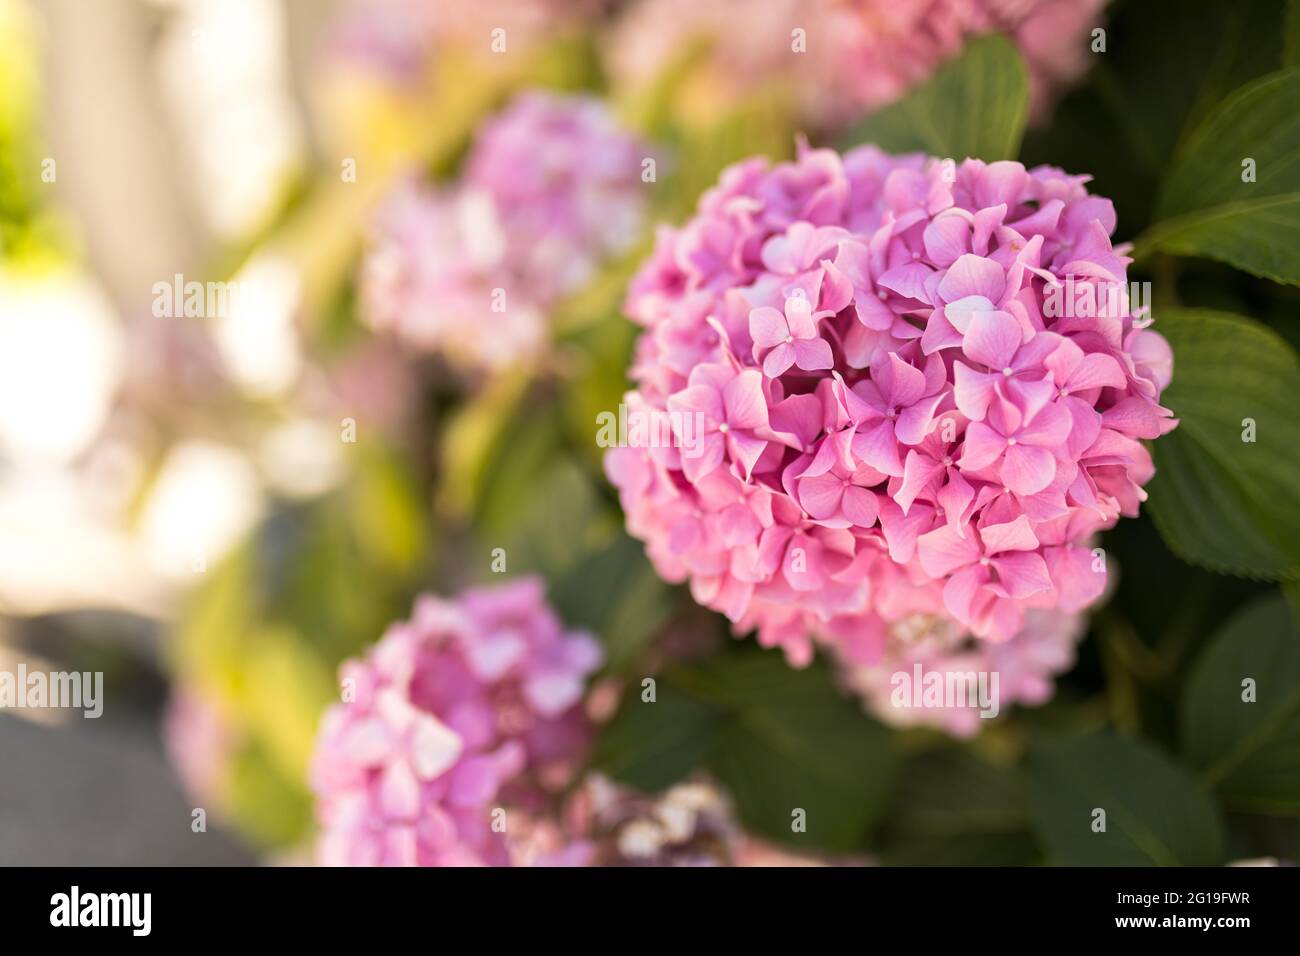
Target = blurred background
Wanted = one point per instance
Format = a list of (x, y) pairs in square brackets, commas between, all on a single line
[(214, 510), (136, 451)]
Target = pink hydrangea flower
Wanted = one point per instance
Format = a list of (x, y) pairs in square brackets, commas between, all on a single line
[(551, 189), (971, 432), (471, 706), (859, 54), (431, 277), (566, 181)]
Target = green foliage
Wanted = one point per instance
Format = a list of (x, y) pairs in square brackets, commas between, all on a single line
[(1245, 739), (975, 105), (1156, 814), (1233, 190), (779, 739), (955, 809), (1219, 500), (1122, 123)]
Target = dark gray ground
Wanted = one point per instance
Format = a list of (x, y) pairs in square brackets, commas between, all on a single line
[(95, 793)]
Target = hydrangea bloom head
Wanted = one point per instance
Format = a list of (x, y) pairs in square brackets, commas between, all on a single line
[(550, 190), (887, 396), (471, 705)]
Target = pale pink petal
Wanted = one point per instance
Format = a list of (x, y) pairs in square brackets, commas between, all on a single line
[(981, 447), (820, 495), (973, 275), (992, 339), (943, 551), (811, 354), (878, 447), (778, 361), (745, 402), (1022, 573), (1027, 469), (767, 327), (1017, 535)]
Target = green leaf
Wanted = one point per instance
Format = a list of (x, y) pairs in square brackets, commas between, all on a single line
[(1219, 501), (1123, 122), (473, 441), (653, 744), (974, 105), (1205, 208), (1249, 752), (1155, 812), (615, 593), (953, 809), (780, 740), (556, 524)]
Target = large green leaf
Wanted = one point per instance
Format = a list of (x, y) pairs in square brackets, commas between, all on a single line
[(653, 744), (1155, 811), (953, 809), (557, 524), (1219, 501), (974, 105), (1249, 751), (1206, 209), (614, 592), (1122, 123), (781, 741)]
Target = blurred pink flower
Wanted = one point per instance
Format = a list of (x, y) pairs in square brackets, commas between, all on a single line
[(860, 54), (970, 433), (397, 39), (551, 190), (199, 742), (471, 707)]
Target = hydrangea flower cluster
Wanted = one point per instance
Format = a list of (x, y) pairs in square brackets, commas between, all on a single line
[(892, 409), (551, 188), (470, 707), (860, 54)]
